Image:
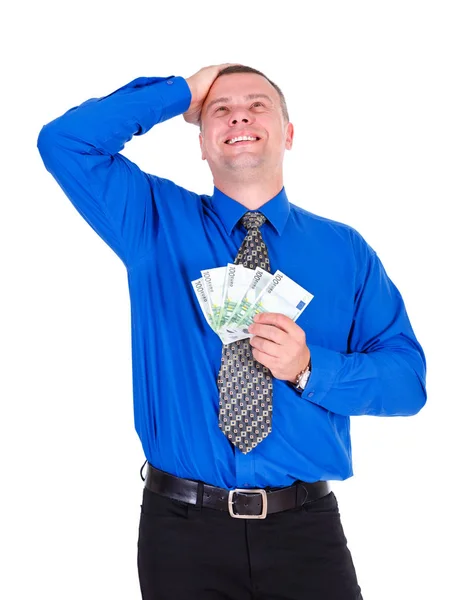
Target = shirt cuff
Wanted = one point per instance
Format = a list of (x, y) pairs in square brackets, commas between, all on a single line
[(325, 365), (178, 97)]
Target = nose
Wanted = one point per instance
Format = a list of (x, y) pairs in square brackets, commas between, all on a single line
[(240, 115), (243, 120)]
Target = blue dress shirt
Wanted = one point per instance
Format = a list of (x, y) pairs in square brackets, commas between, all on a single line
[(365, 357)]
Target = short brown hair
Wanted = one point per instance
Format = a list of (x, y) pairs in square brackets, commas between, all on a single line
[(245, 69)]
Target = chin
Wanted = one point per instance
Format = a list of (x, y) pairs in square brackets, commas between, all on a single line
[(244, 162)]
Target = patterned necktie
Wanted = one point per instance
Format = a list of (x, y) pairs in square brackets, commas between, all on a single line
[(245, 385)]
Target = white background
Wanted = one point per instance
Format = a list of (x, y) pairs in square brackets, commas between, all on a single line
[(378, 95)]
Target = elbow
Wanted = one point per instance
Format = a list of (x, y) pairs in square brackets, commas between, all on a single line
[(415, 405), (418, 400), (410, 378), (49, 145), (50, 132), (418, 389), (44, 140), (414, 395)]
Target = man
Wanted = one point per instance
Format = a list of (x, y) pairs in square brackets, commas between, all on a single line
[(241, 439)]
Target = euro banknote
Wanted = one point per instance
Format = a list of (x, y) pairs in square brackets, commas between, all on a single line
[(243, 287), (281, 295), (237, 279), (213, 281), (231, 296), (204, 302)]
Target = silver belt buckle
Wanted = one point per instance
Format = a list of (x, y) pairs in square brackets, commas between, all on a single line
[(250, 491)]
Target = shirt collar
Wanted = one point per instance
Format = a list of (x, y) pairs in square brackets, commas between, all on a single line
[(230, 211)]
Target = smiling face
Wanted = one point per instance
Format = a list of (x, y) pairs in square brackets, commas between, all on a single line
[(244, 105)]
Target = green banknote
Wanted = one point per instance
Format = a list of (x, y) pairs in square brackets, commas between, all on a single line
[(238, 281), (248, 298), (231, 296), (201, 295), (213, 280), (281, 295)]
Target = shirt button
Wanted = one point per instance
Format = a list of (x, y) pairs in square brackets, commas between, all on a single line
[(169, 82), (311, 394)]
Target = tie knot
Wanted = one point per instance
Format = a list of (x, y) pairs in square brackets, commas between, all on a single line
[(253, 219)]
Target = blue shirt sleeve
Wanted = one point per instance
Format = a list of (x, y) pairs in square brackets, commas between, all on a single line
[(81, 151), (383, 372)]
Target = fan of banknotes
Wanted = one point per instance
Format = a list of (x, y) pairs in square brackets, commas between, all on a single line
[(231, 296)]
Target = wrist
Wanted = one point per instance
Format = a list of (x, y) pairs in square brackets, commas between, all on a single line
[(189, 83), (307, 367), (193, 89)]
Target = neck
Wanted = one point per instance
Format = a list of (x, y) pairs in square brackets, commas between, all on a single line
[(251, 194)]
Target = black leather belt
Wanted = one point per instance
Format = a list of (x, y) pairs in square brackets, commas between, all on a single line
[(240, 503)]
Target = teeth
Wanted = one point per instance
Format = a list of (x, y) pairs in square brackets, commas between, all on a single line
[(243, 138)]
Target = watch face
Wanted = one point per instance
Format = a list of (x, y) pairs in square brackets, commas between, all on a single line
[(304, 380)]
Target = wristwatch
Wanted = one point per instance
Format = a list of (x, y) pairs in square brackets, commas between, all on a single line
[(302, 377)]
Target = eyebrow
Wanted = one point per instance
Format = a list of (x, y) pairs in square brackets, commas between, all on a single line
[(248, 97)]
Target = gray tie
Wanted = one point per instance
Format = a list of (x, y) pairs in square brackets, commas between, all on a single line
[(245, 385)]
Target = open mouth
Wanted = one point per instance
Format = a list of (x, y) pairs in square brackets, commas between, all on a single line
[(243, 140)]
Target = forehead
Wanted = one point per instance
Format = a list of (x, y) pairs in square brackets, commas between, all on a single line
[(238, 85)]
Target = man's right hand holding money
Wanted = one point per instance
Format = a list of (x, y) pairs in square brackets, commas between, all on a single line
[(280, 345)]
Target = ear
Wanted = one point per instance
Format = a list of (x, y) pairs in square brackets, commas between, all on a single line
[(201, 142), (289, 136)]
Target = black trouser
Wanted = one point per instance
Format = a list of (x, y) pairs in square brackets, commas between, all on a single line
[(191, 553)]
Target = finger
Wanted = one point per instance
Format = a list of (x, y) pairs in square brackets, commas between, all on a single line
[(269, 332), (264, 359), (278, 320), (266, 346)]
